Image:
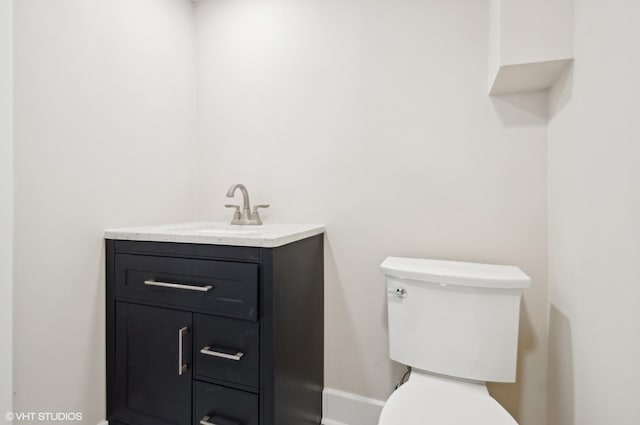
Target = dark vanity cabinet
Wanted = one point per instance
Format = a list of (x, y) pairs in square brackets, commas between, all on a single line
[(209, 334)]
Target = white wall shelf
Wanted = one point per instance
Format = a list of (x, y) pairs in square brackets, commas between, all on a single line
[(528, 77), (531, 44)]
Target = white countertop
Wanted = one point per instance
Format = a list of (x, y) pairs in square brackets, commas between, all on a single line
[(265, 236)]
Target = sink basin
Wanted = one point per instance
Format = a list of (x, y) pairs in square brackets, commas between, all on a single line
[(229, 229)]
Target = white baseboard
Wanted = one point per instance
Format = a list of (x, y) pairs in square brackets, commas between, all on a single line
[(343, 408), (330, 422)]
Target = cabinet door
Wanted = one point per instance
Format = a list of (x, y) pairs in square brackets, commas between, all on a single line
[(153, 365)]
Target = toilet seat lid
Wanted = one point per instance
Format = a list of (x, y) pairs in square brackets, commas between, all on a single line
[(443, 403)]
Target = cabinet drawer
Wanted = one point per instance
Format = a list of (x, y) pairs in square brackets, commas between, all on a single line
[(223, 406), (216, 287), (227, 349)]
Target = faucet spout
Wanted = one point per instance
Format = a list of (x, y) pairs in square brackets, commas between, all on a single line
[(246, 206)]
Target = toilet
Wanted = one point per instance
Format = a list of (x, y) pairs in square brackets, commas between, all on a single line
[(456, 325)]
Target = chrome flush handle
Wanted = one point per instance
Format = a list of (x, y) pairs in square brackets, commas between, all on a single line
[(399, 292)]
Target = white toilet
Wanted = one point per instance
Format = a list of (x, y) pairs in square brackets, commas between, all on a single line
[(456, 325)]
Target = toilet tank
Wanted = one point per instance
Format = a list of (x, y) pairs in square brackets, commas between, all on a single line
[(453, 318)]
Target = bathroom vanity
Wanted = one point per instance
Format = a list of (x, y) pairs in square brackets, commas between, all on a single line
[(215, 324)]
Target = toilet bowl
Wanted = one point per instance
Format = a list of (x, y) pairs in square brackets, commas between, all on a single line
[(456, 325), (430, 400)]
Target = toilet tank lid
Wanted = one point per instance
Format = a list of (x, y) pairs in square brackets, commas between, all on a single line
[(456, 273)]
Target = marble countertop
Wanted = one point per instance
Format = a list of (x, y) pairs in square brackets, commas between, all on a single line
[(265, 236)]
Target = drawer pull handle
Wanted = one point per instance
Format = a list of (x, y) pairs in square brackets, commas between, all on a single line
[(206, 421), (182, 368), (210, 352), (178, 286)]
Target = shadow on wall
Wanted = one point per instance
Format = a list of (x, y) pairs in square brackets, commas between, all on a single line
[(562, 92), (340, 334), (511, 395), (522, 109), (561, 384), (345, 335), (95, 388)]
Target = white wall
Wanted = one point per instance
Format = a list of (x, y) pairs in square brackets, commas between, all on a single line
[(594, 223), (371, 116), (104, 103), (6, 209)]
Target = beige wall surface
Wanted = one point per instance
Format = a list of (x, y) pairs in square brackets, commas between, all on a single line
[(372, 117), (6, 209), (104, 102), (594, 223)]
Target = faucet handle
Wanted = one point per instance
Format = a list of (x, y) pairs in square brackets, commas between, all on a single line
[(255, 207), (255, 216), (236, 213)]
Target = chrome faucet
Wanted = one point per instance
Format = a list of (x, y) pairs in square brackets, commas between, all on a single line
[(244, 216)]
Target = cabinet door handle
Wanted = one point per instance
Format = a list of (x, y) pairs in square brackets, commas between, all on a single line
[(153, 282), (182, 368), (211, 352), (207, 421)]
